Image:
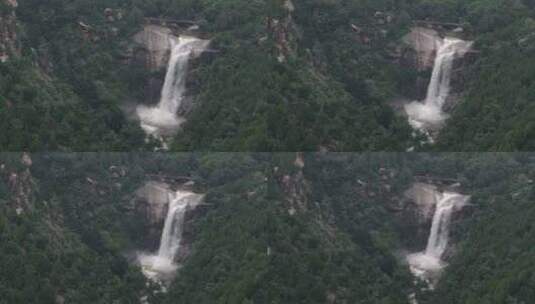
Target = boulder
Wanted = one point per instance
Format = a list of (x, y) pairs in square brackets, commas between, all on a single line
[(424, 44), (9, 42), (26, 159), (155, 41), (153, 201), (423, 196), (12, 3)]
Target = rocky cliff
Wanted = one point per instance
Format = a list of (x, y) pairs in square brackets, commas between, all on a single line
[(418, 210), (189, 233), (294, 185), (152, 203), (422, 47), (151, 51), (20, 184), (9, 44), (418, 52), (153, 46)]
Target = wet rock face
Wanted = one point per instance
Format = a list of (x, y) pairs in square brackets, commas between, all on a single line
[(188, 235), (152, 51), (418, 209), (459, 78), (152, 203), (418, 52)]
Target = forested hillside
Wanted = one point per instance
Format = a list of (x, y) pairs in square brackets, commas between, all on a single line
[(497, 111), (308, 75), (276, 228), (248, 248), (62, 91)]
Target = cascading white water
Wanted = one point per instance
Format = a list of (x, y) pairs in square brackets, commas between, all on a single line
[(172, 230), (427, 264), (429, 114), (162, 264), (163, 119)]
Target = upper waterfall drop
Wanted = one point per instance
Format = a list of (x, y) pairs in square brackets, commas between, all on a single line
[(439, 235), (429, 114), (172, 230), (163, 119), (162, 265), (427, 264)]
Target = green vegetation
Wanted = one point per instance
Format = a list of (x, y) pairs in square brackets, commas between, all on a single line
[(47, 253), (245, 242), (271, 233), (332, 91), (334, 97), (497, 112), (64, 92), (494, 263), (320, 76)]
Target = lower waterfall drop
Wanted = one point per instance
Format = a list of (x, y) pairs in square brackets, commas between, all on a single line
[(161, 266), (427, 264), (429, 115)]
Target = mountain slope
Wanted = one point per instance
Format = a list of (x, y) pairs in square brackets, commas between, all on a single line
[(274, 228), (280, 76)]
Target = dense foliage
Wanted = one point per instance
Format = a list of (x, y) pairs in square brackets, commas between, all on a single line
[(497, 112), (65, 91), (330, 91), (253, 249), (494, 263), (68, 228), (319, 76), (47, 253)]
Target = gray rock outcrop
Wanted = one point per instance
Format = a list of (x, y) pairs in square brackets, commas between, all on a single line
[(9, 44), (423, 45), (154, 46)]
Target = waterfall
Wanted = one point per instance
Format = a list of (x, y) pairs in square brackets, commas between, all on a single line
[(439, 236), (428, 115), (163, 119), (172, 230), (162, 265), (427, 264)]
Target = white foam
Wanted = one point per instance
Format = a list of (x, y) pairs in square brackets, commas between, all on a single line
[(161, 266), (429, 114), (428, 264), (163, 119)]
